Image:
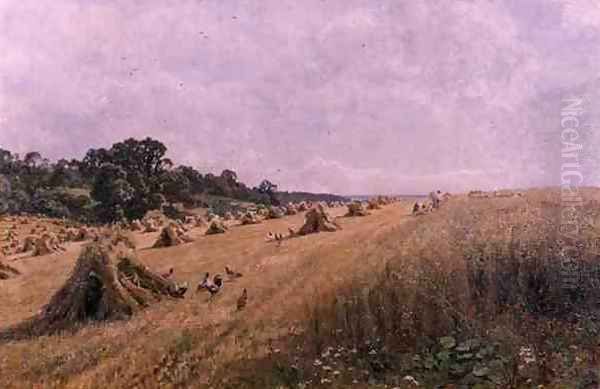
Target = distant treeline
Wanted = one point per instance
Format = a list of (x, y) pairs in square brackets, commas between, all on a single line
[(400, 196), (288, 197), (122, 182)]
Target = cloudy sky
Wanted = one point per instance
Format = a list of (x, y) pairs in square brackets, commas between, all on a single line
[(345, 96)]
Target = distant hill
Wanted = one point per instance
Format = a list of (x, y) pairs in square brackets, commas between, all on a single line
[(402, 196), (287, 197)]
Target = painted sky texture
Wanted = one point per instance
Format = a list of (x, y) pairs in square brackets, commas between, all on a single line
[(344, 96)]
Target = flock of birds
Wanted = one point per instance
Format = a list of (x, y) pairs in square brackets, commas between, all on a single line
[(279, 237), (215, 285)]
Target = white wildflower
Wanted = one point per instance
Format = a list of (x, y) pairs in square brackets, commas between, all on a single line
[(411, 379)]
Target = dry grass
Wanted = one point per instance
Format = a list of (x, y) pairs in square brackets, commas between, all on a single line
[(486, 274), (379, 300), (187, 342)]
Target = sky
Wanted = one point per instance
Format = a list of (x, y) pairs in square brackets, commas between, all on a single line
[(342, 96)]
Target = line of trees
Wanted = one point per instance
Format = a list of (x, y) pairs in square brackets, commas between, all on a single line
[(107, 185)]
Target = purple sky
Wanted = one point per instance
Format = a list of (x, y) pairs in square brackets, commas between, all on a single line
[(343, 96)]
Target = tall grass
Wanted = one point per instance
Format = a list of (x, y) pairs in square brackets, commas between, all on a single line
[(489, 272)]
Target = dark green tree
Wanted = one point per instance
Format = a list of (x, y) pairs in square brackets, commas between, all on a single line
[(113, 192), (266, 187)]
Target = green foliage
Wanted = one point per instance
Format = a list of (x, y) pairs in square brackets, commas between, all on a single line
[(266, 187), (123, 181), (112, 191), (126, 176)]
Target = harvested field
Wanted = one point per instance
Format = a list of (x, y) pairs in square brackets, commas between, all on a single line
[(271, 276), (443, 277)]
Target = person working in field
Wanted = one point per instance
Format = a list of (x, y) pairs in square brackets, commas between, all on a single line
[(435, 199), (416, 208)]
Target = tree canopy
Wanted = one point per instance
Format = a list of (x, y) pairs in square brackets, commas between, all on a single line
[(109, 184)]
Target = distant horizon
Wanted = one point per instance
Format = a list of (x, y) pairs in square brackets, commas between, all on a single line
[(384, 194), (204, 172)]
